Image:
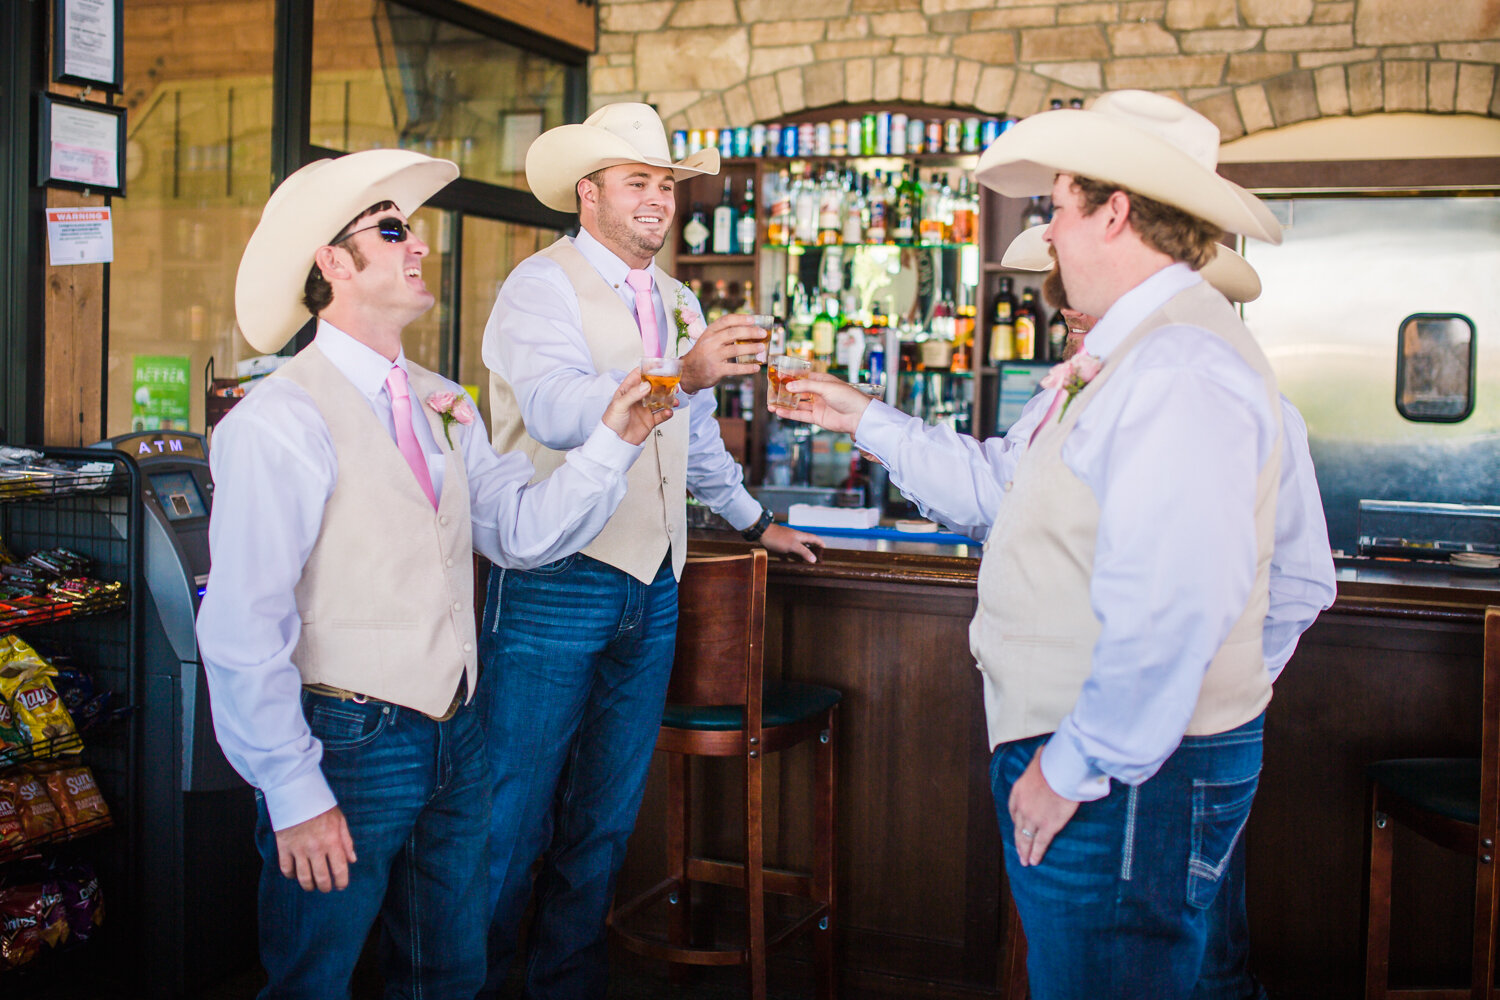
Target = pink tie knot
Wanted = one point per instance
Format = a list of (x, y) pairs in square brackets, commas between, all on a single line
[(395, 380), (639, 280)]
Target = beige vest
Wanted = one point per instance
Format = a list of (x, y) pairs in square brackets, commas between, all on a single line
[(386, 594), (653, 515), (1035, 630)]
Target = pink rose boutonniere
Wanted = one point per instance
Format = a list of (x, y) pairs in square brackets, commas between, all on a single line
[(689, 324), (1071, 376), (452, 409)]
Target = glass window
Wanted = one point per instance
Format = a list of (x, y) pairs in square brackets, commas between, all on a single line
[(198, 165), (386, 75), (1435, 367), (490, 249)]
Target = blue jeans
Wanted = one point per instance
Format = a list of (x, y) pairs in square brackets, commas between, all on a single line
[(1123, 905), (576, 658), (416, 796)]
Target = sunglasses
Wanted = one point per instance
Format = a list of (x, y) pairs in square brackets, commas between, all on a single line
[(391, 230)]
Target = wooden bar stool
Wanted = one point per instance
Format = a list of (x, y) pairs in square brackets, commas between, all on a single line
[(1454, 803), (717, 707)]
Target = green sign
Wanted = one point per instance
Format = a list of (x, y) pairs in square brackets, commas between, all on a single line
[(159, 399)]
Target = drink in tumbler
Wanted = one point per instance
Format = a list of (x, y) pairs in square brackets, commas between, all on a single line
[(758, 347), (662, 374), (784, 369)]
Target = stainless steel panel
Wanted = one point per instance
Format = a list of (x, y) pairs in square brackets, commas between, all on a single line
[(1350, 270)]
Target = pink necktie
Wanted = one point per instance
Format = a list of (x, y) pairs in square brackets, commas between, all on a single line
[(1052, 409), (645, 312), (406, 438)]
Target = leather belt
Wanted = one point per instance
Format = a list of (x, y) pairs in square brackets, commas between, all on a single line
[(342, 694)]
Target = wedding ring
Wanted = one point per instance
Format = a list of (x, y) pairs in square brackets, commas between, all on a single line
[(1028, 833)]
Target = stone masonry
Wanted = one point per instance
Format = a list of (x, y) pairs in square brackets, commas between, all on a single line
[(1246, 64)]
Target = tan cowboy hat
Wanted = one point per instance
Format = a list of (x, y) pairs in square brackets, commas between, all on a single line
[(617, 133), (1230, 273), (1144, 142), (306, 211)]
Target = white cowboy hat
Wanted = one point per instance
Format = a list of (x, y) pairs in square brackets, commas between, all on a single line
[(306, 211), (1230, 273), (617, 133), (1144, 142)]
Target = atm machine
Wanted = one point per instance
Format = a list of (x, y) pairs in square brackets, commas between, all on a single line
[(199, 866)]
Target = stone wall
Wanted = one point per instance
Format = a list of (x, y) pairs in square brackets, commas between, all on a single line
[(1247, 64)]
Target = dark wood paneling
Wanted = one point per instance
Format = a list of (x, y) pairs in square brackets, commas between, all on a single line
[(1452, 173)]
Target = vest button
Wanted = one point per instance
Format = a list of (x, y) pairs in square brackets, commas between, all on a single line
[(664, 480), (458, 605), (658, 432), (443, 519), (468, 646), (449, 562)]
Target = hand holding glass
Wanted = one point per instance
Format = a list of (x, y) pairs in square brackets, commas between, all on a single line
[(766, 323), (786, 368), (662, 374)]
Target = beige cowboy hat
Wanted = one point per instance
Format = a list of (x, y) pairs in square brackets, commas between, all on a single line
[(1230, 273), (306, 211), (1144, 142), (617, 133)]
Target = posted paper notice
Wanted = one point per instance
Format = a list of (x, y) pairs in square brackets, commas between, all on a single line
[(79, 236)]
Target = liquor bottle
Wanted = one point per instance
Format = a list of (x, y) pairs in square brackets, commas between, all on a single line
[(878, 230), (723, 226), (1003, 324), (1026, 323), (779, 201), (1057, 336), (805, 209), (744, 229), (747, 304), (1036, 213), (930, 229), (695, 234), (824, 328), (830, 210), (963, 331), (965, 213), (908, 208), (854, 210)]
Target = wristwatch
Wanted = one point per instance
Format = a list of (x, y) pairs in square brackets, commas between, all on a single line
[(753, 533)]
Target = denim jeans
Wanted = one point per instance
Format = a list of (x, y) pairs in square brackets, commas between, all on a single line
[(416, 796), (576, 658), (1123, 905)]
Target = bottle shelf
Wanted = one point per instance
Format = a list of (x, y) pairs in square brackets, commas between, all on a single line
[(716, 258), (805, 247)]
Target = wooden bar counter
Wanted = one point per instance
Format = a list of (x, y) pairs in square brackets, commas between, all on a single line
[(1393, 669)]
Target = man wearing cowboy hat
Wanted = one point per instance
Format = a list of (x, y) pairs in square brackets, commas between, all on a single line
[(571, 731), (1122, 626), (352, 489)]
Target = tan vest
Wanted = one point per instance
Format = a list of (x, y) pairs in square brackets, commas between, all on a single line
[(386, 594), (653, 515), (1035, 630)]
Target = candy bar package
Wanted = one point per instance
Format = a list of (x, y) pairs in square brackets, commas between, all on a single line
[(74, 793)]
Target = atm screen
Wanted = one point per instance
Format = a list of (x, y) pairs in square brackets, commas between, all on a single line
[(178, 494)]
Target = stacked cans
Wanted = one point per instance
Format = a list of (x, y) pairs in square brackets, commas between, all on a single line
[(875, 133)]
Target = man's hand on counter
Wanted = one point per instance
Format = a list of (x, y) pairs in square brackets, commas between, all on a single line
[(791, 542), (834, 405)]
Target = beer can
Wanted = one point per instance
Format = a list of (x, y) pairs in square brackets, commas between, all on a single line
[(1006, 121), (838, 143), (935, 136), (741, 141), (882, 145), (916, 132), (758, 140), (822, 139), (806, 139), (789, 140), (868, 127), (898, 135), (988, 132), (726, 142), (773, 139), (856, 136), (971, 135), (694, 140), (679, 144), (953, 135)]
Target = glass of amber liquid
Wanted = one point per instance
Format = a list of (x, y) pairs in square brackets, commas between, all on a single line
[(783, 369), (662, 374), (766, 323)]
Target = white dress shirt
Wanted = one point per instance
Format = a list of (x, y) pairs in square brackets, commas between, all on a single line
[(534, 340), (274, 468), (1170, 448)]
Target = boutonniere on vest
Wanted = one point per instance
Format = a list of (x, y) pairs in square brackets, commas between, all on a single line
[(1071, 376), (452, 409), (689, 324)]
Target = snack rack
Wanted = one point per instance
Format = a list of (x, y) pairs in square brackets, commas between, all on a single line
[(97, 516)]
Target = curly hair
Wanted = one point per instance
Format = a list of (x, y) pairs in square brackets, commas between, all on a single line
[(1170, 230), (317, 293)]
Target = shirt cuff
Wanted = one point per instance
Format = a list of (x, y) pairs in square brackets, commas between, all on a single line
[(299, 800), (1068, 772), (742, 511), (879, 429), (610, 450)]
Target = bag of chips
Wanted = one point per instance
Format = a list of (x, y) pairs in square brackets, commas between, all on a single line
[(11, 833), (82, 897), (39, 710), (52, 913), (39, 817), (75, 794), (13, 741), (20, 937)]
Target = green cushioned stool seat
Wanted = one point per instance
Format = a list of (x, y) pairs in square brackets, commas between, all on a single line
[(781, 705), (1447, 786)]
